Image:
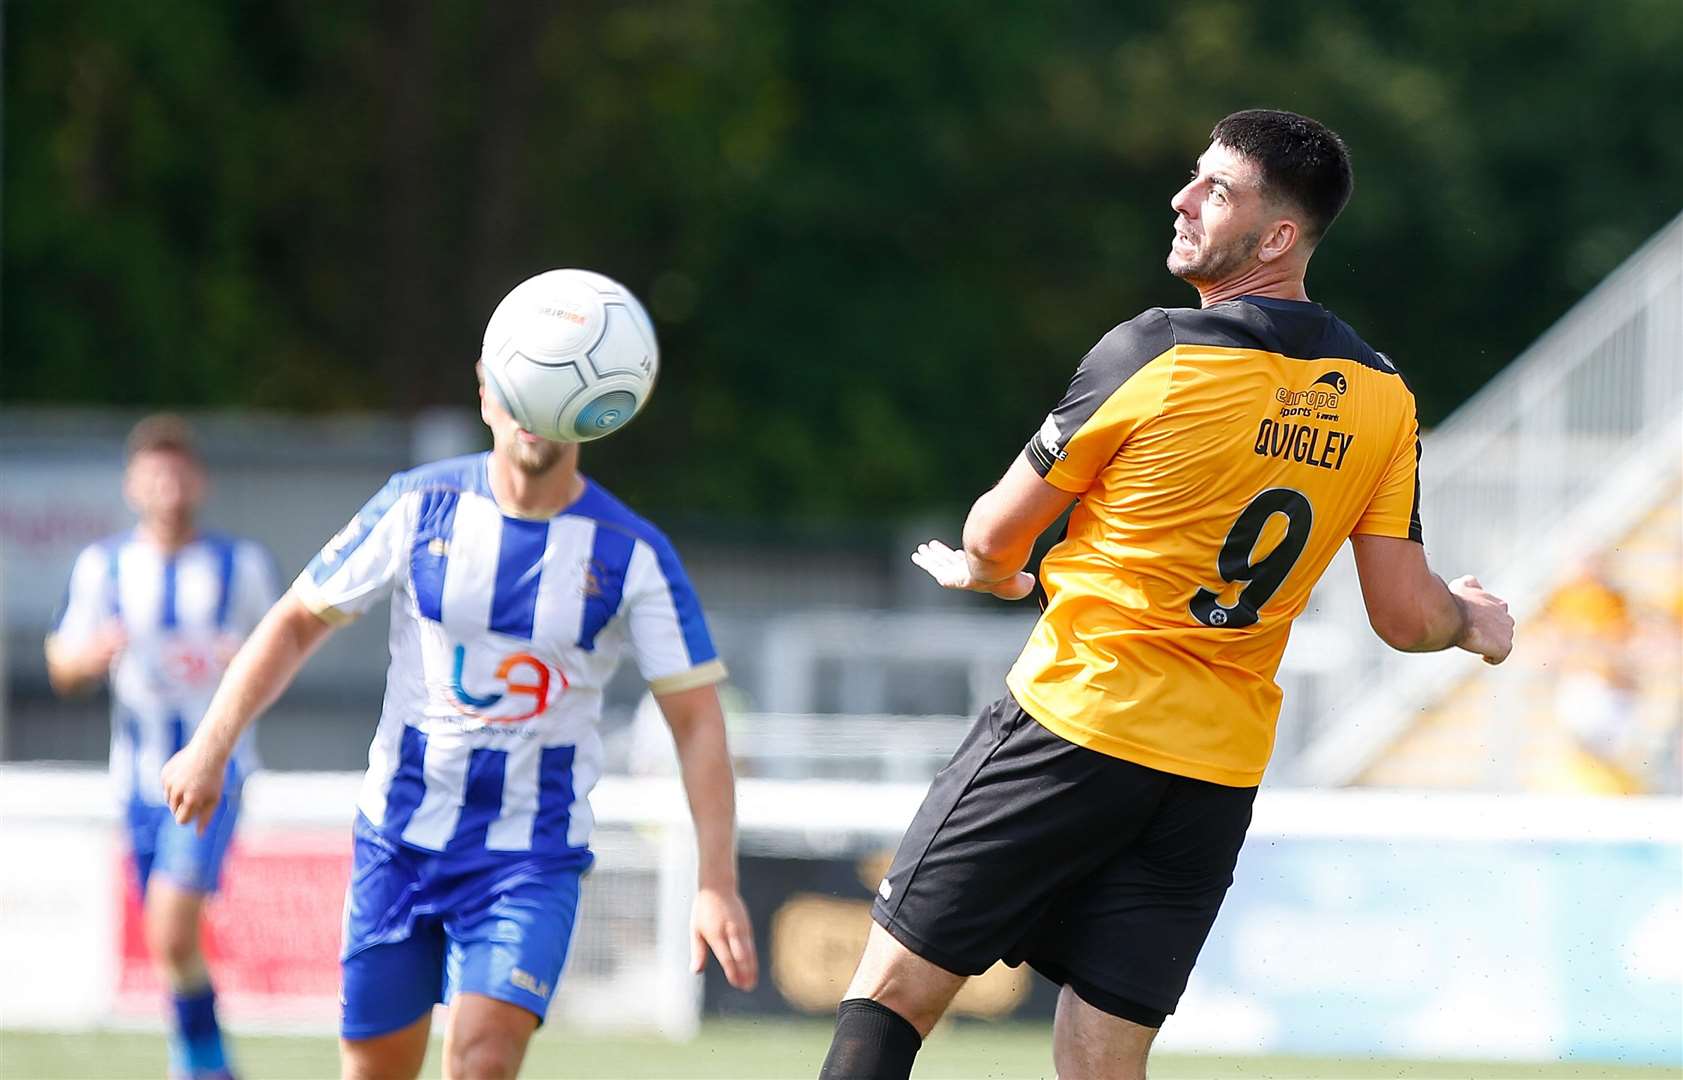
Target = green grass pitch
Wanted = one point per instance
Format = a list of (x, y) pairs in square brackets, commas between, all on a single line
[(738, 1049)]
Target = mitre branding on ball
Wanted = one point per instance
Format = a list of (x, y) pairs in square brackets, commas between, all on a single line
[(571, 354)]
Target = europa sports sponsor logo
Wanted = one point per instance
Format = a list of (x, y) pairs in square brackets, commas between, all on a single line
[(1286, 436), (1321, 400)]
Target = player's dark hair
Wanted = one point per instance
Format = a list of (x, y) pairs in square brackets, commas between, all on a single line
[(165, 432), (1302, 161)]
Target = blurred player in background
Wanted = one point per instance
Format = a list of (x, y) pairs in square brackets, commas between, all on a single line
[(516, 584), (1218, 457), (159, 611)]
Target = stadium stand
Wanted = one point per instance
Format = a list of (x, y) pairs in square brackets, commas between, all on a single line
[(1558, 484), (1594, 701)]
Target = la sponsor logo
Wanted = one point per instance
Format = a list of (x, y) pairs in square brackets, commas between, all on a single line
[(525, 686)]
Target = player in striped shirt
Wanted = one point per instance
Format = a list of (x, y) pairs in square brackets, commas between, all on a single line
[(158, 611), (516, 583)]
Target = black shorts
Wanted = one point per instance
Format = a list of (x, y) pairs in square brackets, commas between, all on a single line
[(1100, 873)]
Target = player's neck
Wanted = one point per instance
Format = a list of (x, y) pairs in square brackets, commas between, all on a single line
[(535, 495), (1263, 279), (165, 535)]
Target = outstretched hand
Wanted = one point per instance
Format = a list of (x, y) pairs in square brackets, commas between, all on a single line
[(719, 921), (951, 570)]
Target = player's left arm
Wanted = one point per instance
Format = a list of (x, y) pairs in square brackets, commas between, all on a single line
[(1409, 606), (674, 651), (720, 919)]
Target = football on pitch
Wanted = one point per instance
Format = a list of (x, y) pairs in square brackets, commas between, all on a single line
[(571, 355)]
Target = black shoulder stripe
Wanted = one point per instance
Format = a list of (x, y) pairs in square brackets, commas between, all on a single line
[(1294, 329), (1225, 326), (1118, 355), (1415, 533)]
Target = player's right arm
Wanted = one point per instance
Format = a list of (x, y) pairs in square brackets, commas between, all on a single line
[(260, 671), (86, 636), (355, 569), (1409, 607), (1413, 610)]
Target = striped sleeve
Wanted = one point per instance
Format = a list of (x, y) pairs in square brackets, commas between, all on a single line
[(88, 600), (1394, 509), (668, 632), (1119, 386), (357, 568)]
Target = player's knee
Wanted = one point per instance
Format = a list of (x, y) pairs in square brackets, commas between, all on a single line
[(894, 976), (174, 942), (484, 1055)]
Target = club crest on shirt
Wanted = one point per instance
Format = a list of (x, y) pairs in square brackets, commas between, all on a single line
[(594, 574)]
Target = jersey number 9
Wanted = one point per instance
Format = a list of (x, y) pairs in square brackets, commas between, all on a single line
[(1264, 577)]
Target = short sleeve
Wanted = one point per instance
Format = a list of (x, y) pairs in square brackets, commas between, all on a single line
[(668, 632), (357, 568), (1394, 509), (1119, 386), (256, 586), (89, 599)]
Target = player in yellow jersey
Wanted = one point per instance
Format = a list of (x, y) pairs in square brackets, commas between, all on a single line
[(1218, 458)]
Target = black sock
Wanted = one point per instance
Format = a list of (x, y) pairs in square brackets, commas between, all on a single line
[(872, 1042)]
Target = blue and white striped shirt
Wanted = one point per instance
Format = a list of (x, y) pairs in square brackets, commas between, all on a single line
[(184, 614), (504, 633)]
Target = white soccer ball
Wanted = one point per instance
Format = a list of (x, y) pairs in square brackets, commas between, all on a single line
[(571, 355)]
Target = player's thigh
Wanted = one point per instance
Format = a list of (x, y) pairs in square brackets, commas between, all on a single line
[(395, 1055), (1091, 1044), (1015, 819), (1125, 938), (192, 859), (512, 946), (892, 975), (385, 989), (144, 822), (486, 1037)]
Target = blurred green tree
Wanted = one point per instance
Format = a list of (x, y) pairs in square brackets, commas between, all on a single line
[(875, 237)]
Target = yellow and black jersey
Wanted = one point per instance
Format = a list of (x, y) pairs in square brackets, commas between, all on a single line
[(1221, 456)]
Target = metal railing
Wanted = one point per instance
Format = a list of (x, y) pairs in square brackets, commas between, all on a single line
[(1528, 462)]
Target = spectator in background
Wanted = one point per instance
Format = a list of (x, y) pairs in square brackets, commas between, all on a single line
[(158, 612), (1594, 692)]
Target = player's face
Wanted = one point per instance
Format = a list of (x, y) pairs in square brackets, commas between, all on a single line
[(164, 485), (1220, 216), (527, 452)]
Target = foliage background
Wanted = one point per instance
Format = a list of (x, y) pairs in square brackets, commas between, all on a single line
[(876, 237)]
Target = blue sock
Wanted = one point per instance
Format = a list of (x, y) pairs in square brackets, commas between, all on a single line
[(196, 1043)]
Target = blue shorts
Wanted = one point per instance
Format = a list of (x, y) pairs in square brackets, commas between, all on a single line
[(421, 927), (179, 852)]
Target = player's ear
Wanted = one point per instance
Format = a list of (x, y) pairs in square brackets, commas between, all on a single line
[(1279, 239)]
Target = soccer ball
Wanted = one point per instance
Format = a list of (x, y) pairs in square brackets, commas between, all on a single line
[(571, 355)]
